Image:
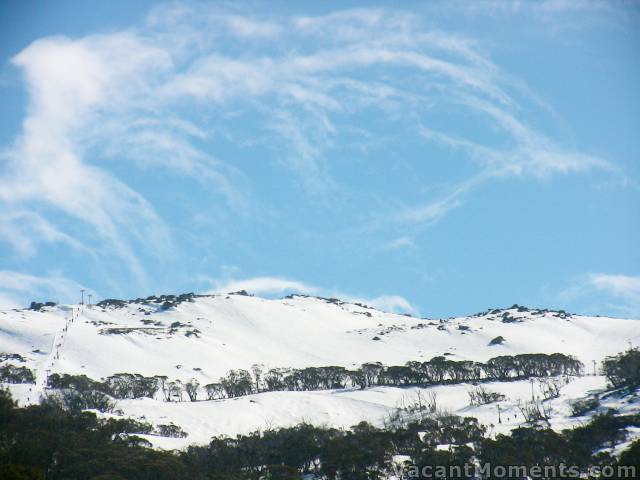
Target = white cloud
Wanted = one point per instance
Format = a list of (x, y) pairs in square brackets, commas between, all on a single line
[(9, 301), (201, 24), (556, 14), (300, 91), (85, 96), (432, 212), (527, 153), (606, 292), (17, 288), (67, 82), (269, 286), (533, 154), (251, 28), (265, 285), (391, 303), (22, 229), (625, 287), (89, 104)]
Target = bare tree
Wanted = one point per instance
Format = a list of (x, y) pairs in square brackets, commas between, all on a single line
[(175, 390), (535, 412), (432, 401), (481, 396), (550, 387), (214, 391), (192, 389), (257, 369), (166, 394)]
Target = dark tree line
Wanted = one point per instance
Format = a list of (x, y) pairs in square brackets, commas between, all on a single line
[(437, 371), (120, 385)]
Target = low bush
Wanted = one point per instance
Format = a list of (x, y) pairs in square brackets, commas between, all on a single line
[(583, 406)]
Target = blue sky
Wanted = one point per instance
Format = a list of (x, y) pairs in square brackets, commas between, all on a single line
[(439, 158)]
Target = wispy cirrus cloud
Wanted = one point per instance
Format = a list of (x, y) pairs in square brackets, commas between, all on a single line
[(67, 82), (528, 154), (23, 229), (556, 15), (191, 68), (16, 287)]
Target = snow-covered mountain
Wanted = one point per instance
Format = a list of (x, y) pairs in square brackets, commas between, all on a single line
[(203, 337)]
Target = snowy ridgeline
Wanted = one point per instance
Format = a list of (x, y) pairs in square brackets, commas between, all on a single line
[(196, 340)]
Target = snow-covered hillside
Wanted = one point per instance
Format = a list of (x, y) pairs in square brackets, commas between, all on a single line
[(203, 337)]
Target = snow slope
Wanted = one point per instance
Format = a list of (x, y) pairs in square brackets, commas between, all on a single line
[(205, 338), (345, 408)]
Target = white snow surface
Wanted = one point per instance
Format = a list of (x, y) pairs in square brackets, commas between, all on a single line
[(221, 332)]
